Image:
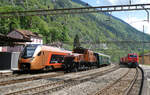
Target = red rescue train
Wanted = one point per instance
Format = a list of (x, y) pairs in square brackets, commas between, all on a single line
[(131, 60)]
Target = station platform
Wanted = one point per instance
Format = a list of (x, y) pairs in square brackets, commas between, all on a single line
[(146, 85), (6, 72)]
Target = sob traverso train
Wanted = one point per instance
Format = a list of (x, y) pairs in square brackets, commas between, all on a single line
[(40, 57)]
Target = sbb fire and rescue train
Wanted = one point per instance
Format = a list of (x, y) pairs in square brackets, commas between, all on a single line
[(40, 57), (131, 60)]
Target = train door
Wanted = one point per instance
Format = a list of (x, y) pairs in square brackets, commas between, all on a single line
[(102, 62), (40, 60), (43, 61)]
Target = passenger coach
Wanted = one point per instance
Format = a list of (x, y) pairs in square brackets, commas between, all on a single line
[(102, 59)]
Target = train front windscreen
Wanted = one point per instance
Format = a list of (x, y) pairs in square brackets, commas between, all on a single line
[(133, 56), (29, 51)]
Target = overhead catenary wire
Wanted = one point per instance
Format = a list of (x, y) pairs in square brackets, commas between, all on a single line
[(75, 10)]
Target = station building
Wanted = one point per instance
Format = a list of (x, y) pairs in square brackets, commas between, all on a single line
[(12, 44), (22, 34), (146, 58)]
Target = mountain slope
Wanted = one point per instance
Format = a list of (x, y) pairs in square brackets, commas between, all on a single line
[(91, 27)]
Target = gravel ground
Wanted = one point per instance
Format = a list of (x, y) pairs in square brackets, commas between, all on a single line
[(120, 87), (30, 84), (14, 77), (90, 87)]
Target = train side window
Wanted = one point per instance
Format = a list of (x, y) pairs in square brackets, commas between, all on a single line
[(39, 54), (57, 59)]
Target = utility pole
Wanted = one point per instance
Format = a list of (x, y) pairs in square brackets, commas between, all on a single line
[(12, 2), (143, 47), (130, 2), (27, 4)]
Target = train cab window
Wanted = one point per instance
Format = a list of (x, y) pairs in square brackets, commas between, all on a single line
[(132, 56), (57, 59), (39, 54), (28, 51)]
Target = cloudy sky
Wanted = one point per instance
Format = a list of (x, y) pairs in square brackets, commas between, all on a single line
[(134, 18)]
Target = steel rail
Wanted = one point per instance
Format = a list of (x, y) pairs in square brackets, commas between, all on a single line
[(128, 90), (8, 82), (74, 82), (76, 10), (62, 83), (117, 81), (109, 86)]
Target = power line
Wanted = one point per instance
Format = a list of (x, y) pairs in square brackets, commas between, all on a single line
[(76, 10)]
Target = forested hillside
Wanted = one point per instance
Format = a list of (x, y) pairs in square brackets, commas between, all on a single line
[(91, 27)]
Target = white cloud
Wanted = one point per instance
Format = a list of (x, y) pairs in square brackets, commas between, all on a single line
[(127, 1), (140, 1), (138, 24), (113, 1), (97, 1)]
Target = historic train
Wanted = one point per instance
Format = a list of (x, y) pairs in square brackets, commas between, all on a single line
[(83, 58), (40, 57), (37, 57), (131, 60)]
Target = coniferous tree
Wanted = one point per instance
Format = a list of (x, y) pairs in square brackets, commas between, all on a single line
[(76, 41)]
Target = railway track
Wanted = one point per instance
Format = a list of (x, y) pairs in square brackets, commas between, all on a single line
[(60, 84), (121, 86), (25, 79), (18, 78), (137, 85), (132, 83)]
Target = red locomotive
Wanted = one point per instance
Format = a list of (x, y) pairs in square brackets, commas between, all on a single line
[(131, 60)]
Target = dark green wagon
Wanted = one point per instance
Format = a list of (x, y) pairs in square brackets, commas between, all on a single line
[(103, 60)]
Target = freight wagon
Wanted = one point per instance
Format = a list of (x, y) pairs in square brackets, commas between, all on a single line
[(131, 60)]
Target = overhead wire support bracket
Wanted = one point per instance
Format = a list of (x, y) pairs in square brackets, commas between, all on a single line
[(147, 13)]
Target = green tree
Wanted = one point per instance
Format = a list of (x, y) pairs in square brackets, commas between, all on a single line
[(76, 41)]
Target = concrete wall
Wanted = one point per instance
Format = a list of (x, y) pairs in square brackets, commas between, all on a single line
[(15, 48)]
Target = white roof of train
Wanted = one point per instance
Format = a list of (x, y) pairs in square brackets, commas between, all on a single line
[(104, 55)]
